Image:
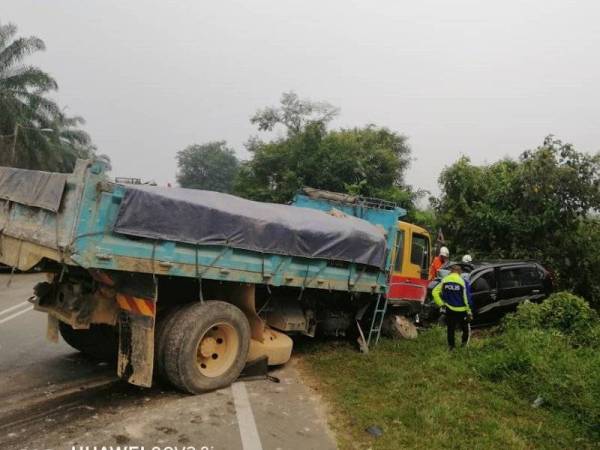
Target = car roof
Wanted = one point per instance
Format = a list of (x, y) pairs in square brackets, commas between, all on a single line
[(503, 262), (476, 265)]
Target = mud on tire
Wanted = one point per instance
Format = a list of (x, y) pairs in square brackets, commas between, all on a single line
[(163, 326), (206, 346)]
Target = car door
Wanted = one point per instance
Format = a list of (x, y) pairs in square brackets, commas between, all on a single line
[(532, 280), (519, 283), (484, 290)]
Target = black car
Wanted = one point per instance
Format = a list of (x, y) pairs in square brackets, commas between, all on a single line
[(497, 287)]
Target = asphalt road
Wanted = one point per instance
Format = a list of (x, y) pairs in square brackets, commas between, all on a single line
[(51, 397)]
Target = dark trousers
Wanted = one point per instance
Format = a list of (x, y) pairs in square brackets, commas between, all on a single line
[(456, 320)]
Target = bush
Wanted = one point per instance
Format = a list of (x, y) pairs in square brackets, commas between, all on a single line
[(549, 350), (562, 312)]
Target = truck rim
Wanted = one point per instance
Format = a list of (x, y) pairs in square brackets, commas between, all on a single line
[(217, 350)]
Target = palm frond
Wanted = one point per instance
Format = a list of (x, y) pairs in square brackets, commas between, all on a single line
[(7, 31), (27, 78), (19, 49)]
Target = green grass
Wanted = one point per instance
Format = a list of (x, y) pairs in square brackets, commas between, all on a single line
[(423, 396)]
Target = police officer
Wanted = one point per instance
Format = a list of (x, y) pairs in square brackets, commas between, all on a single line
[(453, 294)]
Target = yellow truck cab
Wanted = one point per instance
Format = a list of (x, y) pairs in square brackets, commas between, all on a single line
[(410, 269)]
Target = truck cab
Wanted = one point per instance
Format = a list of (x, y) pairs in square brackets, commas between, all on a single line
[(409, 272)]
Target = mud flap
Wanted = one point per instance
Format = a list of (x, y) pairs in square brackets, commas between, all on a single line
[(136, 299), (136, 349)]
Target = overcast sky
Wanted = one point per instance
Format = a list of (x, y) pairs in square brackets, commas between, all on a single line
[(479, 78)]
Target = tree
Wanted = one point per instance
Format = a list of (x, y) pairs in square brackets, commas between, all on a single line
[(211, 166), (294, 114), (37, 134), (67, 143), (540, 206), (369, 161)]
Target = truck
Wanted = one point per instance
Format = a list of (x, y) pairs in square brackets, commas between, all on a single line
[(190, 285)]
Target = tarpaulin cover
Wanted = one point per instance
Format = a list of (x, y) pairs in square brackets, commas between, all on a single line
[(211, 218), (32, 187)]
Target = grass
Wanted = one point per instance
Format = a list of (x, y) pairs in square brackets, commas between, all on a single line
[(424, 397)]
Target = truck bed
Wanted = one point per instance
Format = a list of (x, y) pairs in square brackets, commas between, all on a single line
[(81, 233)]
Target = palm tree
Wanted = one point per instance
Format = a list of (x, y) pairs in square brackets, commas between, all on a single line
[(26, 112), (68, 142)]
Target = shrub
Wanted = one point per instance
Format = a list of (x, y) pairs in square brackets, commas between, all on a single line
[(549, 350), (562, 312)]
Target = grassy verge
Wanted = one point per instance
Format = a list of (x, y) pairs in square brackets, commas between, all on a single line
[(423, 396)]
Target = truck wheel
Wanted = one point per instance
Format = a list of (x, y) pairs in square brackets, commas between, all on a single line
[(206, 346), (99, 341), (163, 325)]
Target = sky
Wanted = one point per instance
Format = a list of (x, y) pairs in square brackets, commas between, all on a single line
[(463, 77)]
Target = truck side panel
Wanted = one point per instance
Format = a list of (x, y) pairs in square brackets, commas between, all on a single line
[(95, 246)]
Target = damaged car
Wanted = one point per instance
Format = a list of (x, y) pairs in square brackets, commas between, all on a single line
[(497, 287)]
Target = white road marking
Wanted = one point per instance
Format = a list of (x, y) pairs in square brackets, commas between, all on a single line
[(12, 316), (245, 418), (12, 308)]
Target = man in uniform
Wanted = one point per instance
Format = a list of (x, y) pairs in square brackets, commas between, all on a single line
[(453, 294), (438, 262)]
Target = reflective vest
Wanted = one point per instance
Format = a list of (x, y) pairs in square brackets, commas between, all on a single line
[(454, 293), (435, 266)]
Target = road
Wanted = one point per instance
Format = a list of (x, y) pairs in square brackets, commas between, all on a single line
[(51, 397)]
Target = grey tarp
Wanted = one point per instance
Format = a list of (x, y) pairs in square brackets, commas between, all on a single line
[(32, 187), (211, 218)]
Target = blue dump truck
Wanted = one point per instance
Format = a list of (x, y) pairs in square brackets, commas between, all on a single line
[(192, 285)]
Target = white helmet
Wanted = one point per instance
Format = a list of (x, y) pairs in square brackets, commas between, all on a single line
[(467, 259), (445, 252)]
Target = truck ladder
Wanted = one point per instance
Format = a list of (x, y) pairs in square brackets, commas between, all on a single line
[(377, 320)]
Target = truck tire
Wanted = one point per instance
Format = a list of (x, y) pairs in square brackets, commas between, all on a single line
[(99, 341), (163, 325), (206, 346)]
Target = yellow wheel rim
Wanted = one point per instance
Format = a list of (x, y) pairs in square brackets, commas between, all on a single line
[(217, 350)]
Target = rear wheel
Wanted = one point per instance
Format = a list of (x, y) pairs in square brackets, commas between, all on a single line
[(206, 346), (163, 325), (99, 341)]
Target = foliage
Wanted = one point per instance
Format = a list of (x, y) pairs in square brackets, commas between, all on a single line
[(562, 312), (36, 133), (424, 218), (212, 166), (550, 350), (540, 206), (542, 363), (532, 384), (294, 113), (423, 396), (368, 161)]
